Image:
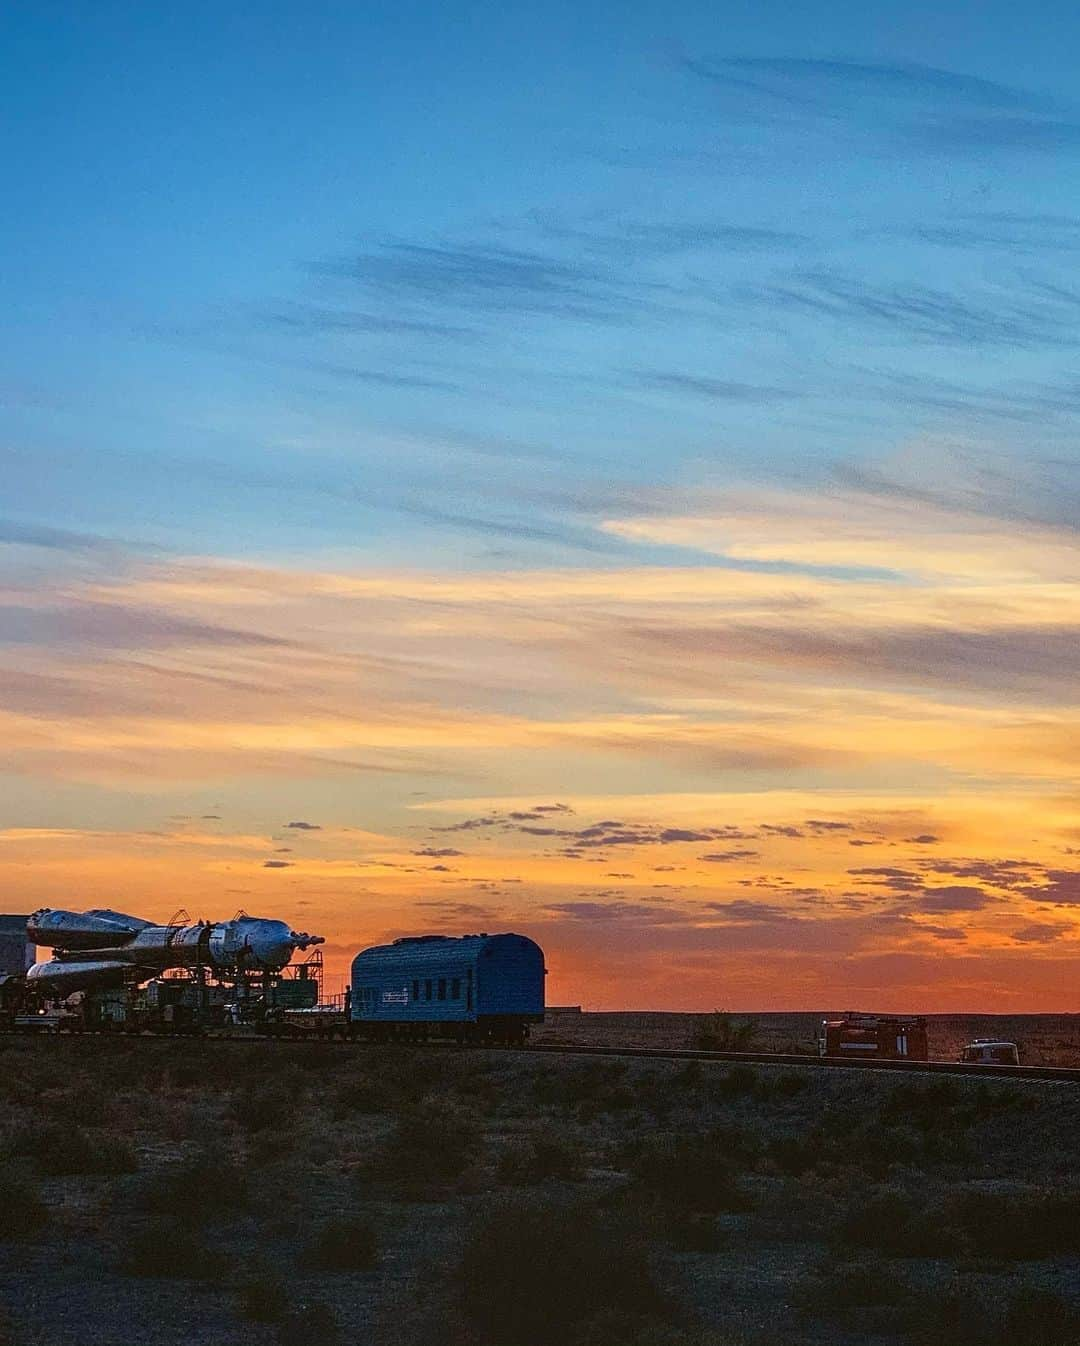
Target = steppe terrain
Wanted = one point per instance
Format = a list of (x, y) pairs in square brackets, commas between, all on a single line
[(1043, 1039), (173, 1193)]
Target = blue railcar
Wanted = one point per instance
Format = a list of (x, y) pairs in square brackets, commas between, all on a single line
[(469, 988)]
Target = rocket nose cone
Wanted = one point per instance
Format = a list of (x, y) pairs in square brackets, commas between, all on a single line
[(270, 943)]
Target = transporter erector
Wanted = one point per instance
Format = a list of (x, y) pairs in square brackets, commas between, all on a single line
[(106, 948), (116, 971)]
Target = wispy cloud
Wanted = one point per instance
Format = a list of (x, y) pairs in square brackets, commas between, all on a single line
[(625, 236), (19, 534), (116, 626), (910, 104), (715, 389), (814, 80), (1002, 315), (483, 278)]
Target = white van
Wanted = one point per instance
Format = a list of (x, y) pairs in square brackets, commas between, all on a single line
[(990, 1052)]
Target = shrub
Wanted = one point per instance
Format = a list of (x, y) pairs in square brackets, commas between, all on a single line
[(587, 1090), (692, 1232), (895, 1224), (722, 1032), (263, 1297), (264, 1107), (738, 1082), (22, 1212), (350, 1244), (429, 1149), (165, 1248), (83, 1101), (539, 1159), (790, 1083), (1017, 1226), (837, 1288), (208, 1184), (924, 1103), (947, 1105), (1029, 1317), (1040, 1317), (60, 1150), (616, 1328), (1006, 1226), (687, 1078), (795, 1155), (360, 1095), (654, 1095), (533, 1275), (312, 1324), (694, 1173)]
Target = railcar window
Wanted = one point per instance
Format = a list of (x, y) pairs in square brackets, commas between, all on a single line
[(455, 989), (442, 988), (416, 990), (427, 989)]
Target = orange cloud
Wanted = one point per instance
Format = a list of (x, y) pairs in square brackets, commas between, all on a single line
[(787, 752)]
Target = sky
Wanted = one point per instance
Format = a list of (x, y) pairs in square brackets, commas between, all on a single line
[(606, 471)]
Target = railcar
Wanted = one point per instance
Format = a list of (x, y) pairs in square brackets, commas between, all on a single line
[(468, 988)]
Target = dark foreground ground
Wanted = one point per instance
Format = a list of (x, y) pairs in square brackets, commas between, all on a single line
[(1043, 1039), (158, 1193)]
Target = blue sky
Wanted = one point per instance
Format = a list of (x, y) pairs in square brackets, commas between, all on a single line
[(424, 277)]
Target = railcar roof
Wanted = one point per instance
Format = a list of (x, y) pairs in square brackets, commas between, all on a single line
[(426, 948)]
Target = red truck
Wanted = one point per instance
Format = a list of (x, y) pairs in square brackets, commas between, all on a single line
[(880, 1037)]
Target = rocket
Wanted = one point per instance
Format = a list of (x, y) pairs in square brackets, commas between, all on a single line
[(106, 948)]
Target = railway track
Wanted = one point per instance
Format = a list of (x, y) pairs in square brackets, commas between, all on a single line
[(1068, 1074), (1048, 1074)]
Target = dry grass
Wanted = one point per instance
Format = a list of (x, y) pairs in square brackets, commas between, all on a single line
[(297, 1195), (1044, 1039)]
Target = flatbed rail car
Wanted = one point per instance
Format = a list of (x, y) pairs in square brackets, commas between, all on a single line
[(316, 1021), (875, 1037), (473, 988)]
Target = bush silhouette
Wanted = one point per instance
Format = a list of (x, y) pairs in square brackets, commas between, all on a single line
[(533, 1275), (164, 1248), (695, 1173), (209, 1183), (313, 1324), (722, 1032), (22, 1212), (64, 1150), (539, 1159), (429, 1149), (349, 1244)]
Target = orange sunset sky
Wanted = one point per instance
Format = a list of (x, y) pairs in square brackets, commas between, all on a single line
[(694, 785)]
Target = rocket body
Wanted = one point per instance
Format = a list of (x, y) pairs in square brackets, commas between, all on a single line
[(101, 947)]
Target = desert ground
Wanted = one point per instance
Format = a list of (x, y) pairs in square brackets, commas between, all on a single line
[(171, 1192), (1043, 1039)]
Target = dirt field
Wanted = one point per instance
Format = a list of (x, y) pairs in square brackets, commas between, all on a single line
[(186, 1194), (1043, 1039)]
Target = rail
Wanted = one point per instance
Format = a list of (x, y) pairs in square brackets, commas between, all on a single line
[(1047, 1074)]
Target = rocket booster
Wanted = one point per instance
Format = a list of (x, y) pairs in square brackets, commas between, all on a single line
[(102, 947)]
